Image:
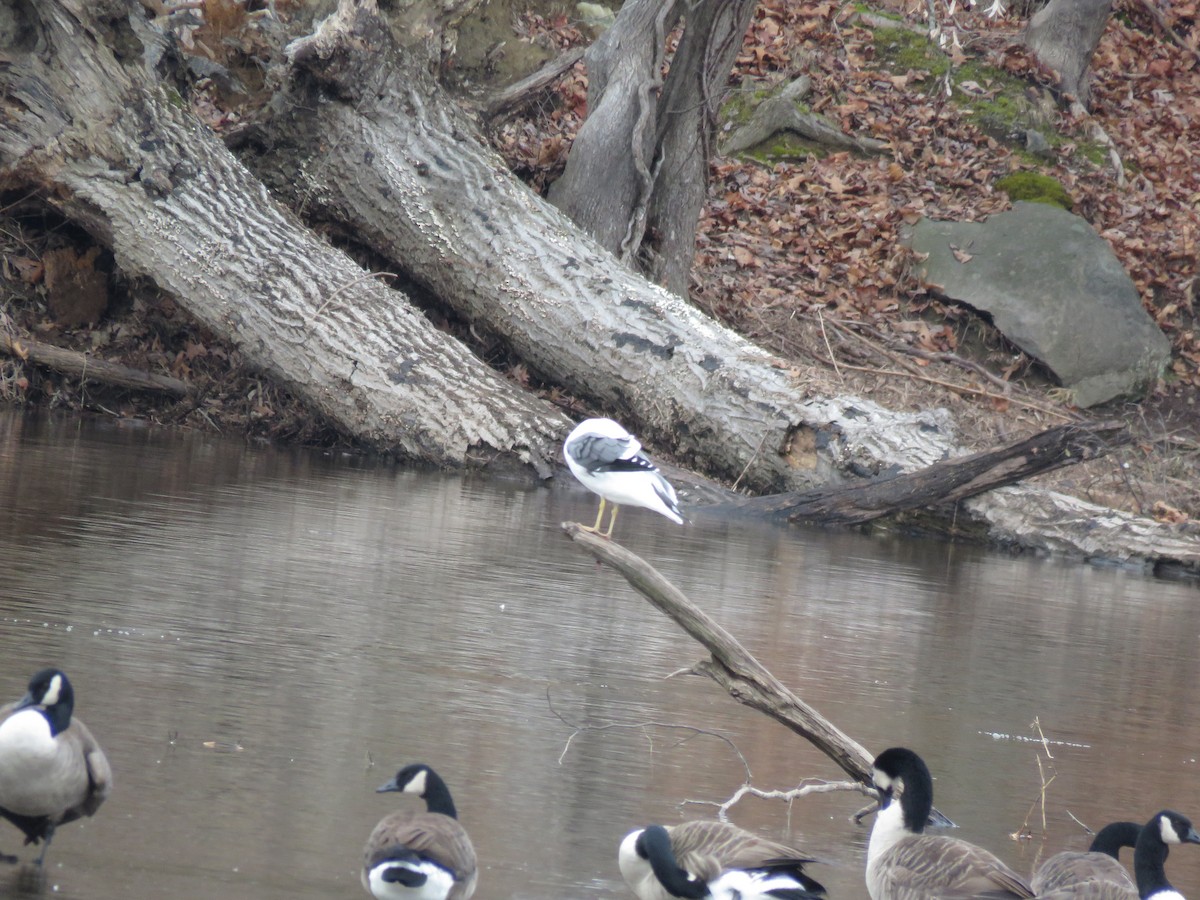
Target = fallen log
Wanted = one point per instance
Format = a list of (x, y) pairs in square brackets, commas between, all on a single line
[(96, 135), (524, 91), (72, 362), (945, 482)]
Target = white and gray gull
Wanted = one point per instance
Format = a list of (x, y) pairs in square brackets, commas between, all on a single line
[(608, 461)]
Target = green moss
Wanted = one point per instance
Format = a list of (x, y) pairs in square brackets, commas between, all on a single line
[(784, 147), (1093, 152), (1036, 188), (900, 49), (739, 106)]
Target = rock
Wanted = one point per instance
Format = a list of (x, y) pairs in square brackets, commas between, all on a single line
[(1054, 288)]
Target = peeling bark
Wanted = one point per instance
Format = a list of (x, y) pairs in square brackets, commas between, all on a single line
[(110, 147), (407, 177)]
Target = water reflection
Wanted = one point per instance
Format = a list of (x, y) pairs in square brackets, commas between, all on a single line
[(335, 619)]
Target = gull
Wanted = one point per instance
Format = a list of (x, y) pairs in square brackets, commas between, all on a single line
[(608, 461)]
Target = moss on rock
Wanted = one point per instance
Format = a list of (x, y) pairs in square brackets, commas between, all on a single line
[(1035, 188)]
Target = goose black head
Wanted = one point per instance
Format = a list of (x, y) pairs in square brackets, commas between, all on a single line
[(420, 779), (51, 693), (1176, 828), (900, 769)]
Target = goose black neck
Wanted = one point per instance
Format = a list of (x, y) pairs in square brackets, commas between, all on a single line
[(917, 799), (437, 795), (655, 845), (59, 717), (1111, 838), (1149, 860)]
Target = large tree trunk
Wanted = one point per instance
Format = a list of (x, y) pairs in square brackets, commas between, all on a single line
[(637, 174), (115, 151), (407, 177), (1063, 36), (609, 172), (687, 129)]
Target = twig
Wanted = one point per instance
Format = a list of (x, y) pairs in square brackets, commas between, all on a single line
[(349, 284), (1036, 723), (1025, 830), (828, 348), (749, 463), (1161, 21), (900, 346), (806, 787)]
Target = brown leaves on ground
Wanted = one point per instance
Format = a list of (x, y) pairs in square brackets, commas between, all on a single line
[(805, 256)]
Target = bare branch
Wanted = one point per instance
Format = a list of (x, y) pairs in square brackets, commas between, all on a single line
[(806, 787)]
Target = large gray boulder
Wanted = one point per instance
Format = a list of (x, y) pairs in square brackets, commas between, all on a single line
[(1054, 288)]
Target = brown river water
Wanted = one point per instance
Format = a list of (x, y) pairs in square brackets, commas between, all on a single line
[(259, 637)]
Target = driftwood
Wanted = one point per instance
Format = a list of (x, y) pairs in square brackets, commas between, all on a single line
[(72, 362), (731, 665), (948, 481)]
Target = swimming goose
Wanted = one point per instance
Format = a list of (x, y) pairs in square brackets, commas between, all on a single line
[(52, 771), (1096, 874), (420, 855), (707, 858), (1150, 853), (608, 461), (905, 864)]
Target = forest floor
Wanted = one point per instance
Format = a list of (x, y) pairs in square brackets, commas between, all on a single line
[(801, 253)]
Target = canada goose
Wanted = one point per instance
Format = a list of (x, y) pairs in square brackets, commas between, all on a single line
[(904, 864), (420, 855), (1096, 874), (1150, 853), (608, 461), (714, 859), (52, 770)]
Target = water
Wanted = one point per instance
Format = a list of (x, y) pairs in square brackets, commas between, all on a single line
[(260, 637)]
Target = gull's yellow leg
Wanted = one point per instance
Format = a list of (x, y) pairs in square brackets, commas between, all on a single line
[(612, 521), (595, 529)]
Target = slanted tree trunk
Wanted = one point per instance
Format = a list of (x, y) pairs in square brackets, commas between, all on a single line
[(102, 141), (637, 174), (1063, 36), (407, 177)]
